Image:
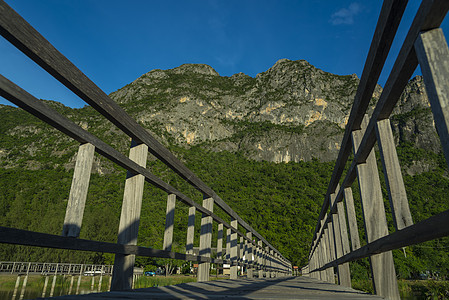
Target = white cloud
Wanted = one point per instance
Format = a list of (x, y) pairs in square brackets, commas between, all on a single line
[(346, 15)]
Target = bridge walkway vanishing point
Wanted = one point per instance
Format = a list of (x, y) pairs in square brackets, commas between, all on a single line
[(274, 288), (331, 248)]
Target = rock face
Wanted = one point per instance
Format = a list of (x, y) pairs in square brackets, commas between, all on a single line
[(291, 112)]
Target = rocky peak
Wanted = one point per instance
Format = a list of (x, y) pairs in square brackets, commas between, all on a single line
[(195, 68)]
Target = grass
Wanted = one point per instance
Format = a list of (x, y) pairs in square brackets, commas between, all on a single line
[(411, 289), (35, 284)]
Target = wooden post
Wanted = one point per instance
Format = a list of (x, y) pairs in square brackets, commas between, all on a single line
[(267, 262), (122, 276), (53, 284), (71, 284), (101, 279), (330, 271), (92, 284), (190, 230), (16, 287), (79, 280), (249, 255), (219, 244), (259, 259), (330, 227), (241, 254), (324, 255), (22, 292), (228, 243), (44, 290), (344, 243), (169, 222), (205, 240), (393, 177), (433, 56), (352, 220), (234, 250), (382, 265), (78, 191)]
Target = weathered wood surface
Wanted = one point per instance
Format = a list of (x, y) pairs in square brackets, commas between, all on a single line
[(393, 177), (432, 228), (78, 191), (352, 219), (205, 240), (430, 15), (273, 288), (122, 275), (382, 265), (387, 25), (433, 55), (169, 222), (234, 250), (344, 277), (190, 230)]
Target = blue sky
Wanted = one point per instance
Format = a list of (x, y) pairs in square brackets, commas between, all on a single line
[(115, 41)]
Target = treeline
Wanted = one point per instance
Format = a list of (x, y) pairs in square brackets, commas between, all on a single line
[(281, 201)]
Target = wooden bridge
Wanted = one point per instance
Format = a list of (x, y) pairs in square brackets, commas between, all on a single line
[(331, 249)]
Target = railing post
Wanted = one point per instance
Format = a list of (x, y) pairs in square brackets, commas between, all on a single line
[(241, 254), (219, 244), (393, 177), (169, 222), (433, 56), (234, 250), (190, 230), (352, 220), (330, 271), (344, 276), (78, 191), (259, 259), (267, 261), (122, 276), (346, 280), (324, 254), (382, 265), (205, 240), (249, 255)]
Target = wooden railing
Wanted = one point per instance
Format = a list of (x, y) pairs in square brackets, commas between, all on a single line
[(268, 260), (424, 44)]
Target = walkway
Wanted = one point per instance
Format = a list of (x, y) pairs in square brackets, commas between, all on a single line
[(275, 288)]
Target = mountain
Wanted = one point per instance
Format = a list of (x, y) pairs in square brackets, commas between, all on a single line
[(266, 145)]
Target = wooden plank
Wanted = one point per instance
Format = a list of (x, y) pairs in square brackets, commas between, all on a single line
[(205, 240), (190, 230), (352, 219), (122, 277), (432, 228), (382, 265), (36, 239), (433, 55), (234, 250), (169, 222), (249, 255), (78, 191), (429, 15), (344, 276), (325, 255), (259, 259), (343, 228), (393, 177), (28, 40), (330, 271), (284, 288), (220, 241), (387, 25)]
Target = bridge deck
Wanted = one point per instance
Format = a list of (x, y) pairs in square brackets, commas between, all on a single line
[(275, 288)]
